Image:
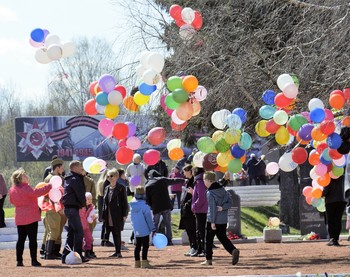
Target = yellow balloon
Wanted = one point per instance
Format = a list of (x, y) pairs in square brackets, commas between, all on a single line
[(232, 136), (95, 168), (260, 129), (282, 135), (217, 135), (141, 99), (111, 111), (224, 158)]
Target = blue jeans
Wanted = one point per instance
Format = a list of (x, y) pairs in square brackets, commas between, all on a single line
[(167, 221), (75, 232)]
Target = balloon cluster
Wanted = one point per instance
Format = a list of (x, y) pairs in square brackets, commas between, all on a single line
[(175, 151), (50, 46), (184, 100), (224, 150), (188, 20), (94, 165), (108, 96)]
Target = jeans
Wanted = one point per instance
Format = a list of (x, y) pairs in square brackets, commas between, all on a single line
[(220, 232), (167, 221), (30, 230), (75, 232), (201, 220), (144, 243)]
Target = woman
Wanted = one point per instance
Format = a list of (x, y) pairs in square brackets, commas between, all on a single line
[(188, 220), (176, 189), (115, 209), (27, 213), (3, 192)]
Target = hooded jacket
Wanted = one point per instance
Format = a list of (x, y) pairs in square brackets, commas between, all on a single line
[(157, 193), (74, 191), (334, 192), (218, 196), (141, 218), (199, 201)]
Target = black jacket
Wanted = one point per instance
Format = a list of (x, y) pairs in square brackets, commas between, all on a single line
[(160, 166), (157, 194), (186, 202), (334, 192), (74, 191)]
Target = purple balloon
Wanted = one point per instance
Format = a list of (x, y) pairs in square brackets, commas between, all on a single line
[(107, 83), (132, 128), (305, 131), (135, 180)]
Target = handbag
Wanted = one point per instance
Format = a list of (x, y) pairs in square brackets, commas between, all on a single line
[(73, 257)]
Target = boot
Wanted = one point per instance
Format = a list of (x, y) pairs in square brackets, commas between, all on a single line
[(137, 264), (56, 250), (145, 264), (49, 255), (42, 251)]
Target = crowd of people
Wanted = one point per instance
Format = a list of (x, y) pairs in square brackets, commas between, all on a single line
[(202, 200)]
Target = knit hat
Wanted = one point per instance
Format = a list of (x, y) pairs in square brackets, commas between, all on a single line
[(56, 162), (140, 192)]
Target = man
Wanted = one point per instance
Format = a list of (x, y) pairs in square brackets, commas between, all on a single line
[(160, 166), (73, 200), (252, 172), (157, 197)]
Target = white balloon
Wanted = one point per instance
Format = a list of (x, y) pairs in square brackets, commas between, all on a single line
[(100, 108), (54, 52), (174, 143), (218, 118), (315, 184), (151, 77), (155, 61), (68, 49), (315, 103), (187, 15), (272, 168), (56, 181), (52, 39), (198, 159), (286, 162), (186, 32), (41, 56), (87, 163), (176, 119), (313, 174), (115, 98), (275, 221), (55, 194), (140, 70), (290, 90), (283, 80), (201, 93), (144, 58)]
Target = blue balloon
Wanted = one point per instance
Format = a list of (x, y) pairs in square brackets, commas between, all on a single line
[(241, 113), (325, 156), (267, 111), (102, 98), (37, 35), (317, 115), (269, 97), (237, 151), (324, 161), (147, 89), (160, 241), (334, 141), (246, 141)]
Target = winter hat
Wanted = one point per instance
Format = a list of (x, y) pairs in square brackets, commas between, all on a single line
[(139, 192), (88, 195)]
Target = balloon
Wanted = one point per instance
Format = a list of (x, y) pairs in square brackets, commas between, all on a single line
[(124, 155), (170, 102), (286, 162), (337, 101), (296, 121), (314, 158), (151, 157), (105, 127), (175, 11), (133, 143), (156, 135), (317, 135), (272, 127), (187, 15), (209, 161), (217, 135), (54, 52), (130, 104), (232, 136), (334, 141), (327, 127), (341, 161), (120, 131), (234, 121), (198, 159), (201, 93), (102, 98), (174, 82), (160, 241), (180, 96), (224, 158), (107, 82), (299, 155), (174, 143), (37, 35), (87, 163), (218, 118), (97, 166), (275, 221), (111, 111), (260, 129), (90, 107), (317, 115), (307, 191), (190, 83), (324, 180), (267, 111), (135, 180), (237, 151), (176, 119), (121, 89), (316, 193), (235, 166), (144, 58), (241, 113), (272, 168), (68, 49), (115, 98), (321, 169), (245, 141), (283, 80), (176, 154), (269, 97), (56, 181), (280, 117), (305, 131), (282, 101), (334, 154), (290, 90), (151, 77), (196, 108), (178, 127), (100, 109), (122, 143), (315, 103), (282, 136), (206, 145), (186, 32), (141, 99), (36, 44), (197, 21), (52, 39), (146, 89), (321, 147), (155, 61), (222, 146), (41, 56), (55, 195)]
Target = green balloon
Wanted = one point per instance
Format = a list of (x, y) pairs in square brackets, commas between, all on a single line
[(174, 82), (295, 79), (206, 145), (170, 103), (222, 146), (180, 96), (296, 121), (337, 171), (235, 166)]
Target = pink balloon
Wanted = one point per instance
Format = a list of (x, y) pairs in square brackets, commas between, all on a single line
[(321, 169), (36, 44), (328, 114), (168, 111), (122, 143), (133, 143), (55, 195), (306, 115), (105, 127), (162, 101), (341, 161), (290, 90), (151, 157), (307, 191), (56, 181), (156, 135)]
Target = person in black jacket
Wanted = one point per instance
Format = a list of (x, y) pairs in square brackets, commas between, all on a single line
[(74, 199), (157, 197), (160, 166)]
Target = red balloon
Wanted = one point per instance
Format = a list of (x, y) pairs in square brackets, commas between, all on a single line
[(175, 11), (327, 127), (272, 126), (90, 107), (122, 143), (334, 154), (151, 157), (92, 88), (322, 146), (121, 89), (282, 101), (209, 161), (180, 22), (299, 155), (290, 130), (124, 155), (346, 92), (197, 21), (338, 91), (307, 191), (178, 127), (120, 131), (156, 135)]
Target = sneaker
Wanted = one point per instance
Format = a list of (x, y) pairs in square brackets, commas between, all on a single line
[(84, 260), (333, 242), (131, 241), (201, 254), (36, 263), (214, 246), (109, 243), (235, 256), (116, 255), (195, 254), (20, 264), (207, 262), (191, 252)]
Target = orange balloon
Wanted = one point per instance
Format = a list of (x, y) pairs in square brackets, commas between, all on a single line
[(314, 158), (317, 134), (190, 83), (316, 193), (346, 121), (337, 101), (196, 108), (176, 154), (97, 89), (243, 158), (90, 107), (41, 185), (221, 169), (302, 142), (184, 111), (324, 180), (92, 88), (130, 104)]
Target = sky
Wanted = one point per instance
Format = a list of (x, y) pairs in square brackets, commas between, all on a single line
[(66, 18)]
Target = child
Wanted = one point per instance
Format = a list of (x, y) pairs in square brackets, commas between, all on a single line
[(143, 226), (87, 214), (219, 201)]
